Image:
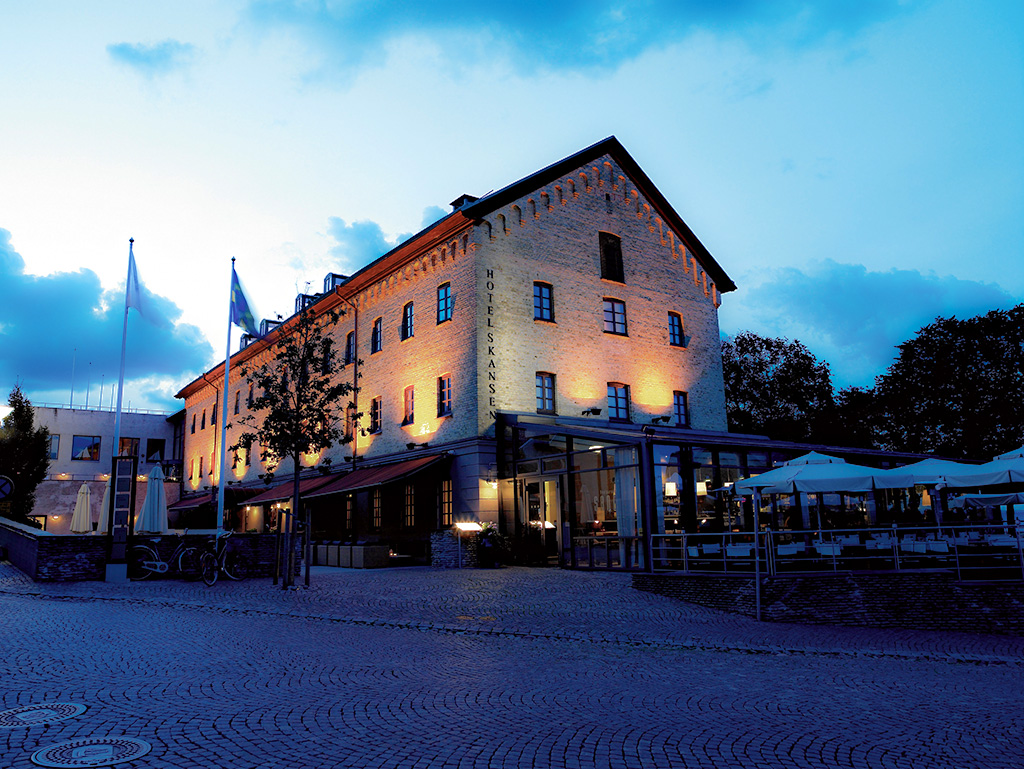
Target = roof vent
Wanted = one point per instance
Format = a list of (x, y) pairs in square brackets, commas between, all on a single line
[(462, 201)]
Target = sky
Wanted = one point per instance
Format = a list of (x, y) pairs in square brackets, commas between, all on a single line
[(856, 167)]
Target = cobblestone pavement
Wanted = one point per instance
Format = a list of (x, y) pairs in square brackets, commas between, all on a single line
[(504, 668)]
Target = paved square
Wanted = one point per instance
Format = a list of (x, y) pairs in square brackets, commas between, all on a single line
[(505, 668)]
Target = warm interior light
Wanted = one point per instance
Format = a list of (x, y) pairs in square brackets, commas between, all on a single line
[(468, 526), (702, 487), (670, 489)]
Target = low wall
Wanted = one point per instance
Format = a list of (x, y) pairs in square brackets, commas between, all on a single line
[(445, 550), (47, 557), (919, 600)]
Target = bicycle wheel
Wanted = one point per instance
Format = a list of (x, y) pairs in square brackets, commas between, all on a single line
[(138, 556), (208, 568), (188, 562), (232, 566)]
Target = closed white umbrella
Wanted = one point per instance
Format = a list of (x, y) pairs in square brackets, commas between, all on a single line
[(81, 521), (153, 515), (104, 510)]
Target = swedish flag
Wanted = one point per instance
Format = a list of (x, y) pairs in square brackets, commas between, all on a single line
[(241, 315)]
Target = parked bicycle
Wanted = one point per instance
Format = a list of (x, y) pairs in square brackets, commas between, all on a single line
[(218, 559), (144, 561)]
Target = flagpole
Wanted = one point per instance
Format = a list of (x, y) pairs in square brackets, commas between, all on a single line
[(114, 450), (222, 478)]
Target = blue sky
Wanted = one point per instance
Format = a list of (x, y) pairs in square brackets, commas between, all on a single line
[(856, 167)]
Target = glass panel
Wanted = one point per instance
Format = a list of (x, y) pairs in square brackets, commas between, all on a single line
[(757, 459), (704, 477), (586, 460), (554, 465), (542, 446), (525, 468), (729, 459), (622, 456), (702, 456), (668, 491), (666, 454), (85, 447)]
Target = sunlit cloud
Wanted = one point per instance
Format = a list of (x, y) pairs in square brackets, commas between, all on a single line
[(853, 317), (152, 60), (54, 325)]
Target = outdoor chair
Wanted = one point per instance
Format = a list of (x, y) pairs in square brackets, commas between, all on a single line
[(738, 551), (712, 549)]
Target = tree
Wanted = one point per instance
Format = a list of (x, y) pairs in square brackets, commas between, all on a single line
[(957, 388), (777, 388), (298, 405), (24, 455)]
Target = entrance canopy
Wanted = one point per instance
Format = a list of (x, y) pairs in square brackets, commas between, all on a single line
[(283, 491), (365, 477)]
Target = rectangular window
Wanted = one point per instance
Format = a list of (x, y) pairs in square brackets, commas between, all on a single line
[(191, 469), (614, 317), (375, 512), (543, 302), (611, 257), (618, 401), (234, 459), (377, 336), (200, 468), (675, 330), (445, 302), (350, 347), (680, 408), (545, 393), (54, 446), (194, 421), (248, 456), (375, 415), (155, 448), (444, 395), (128, 447), (202, 422), (248, 403), (350, 422), (349, 505), (238, 400), (408, 406), (213, 415), (410, 506), (407, 322), (444, 503)]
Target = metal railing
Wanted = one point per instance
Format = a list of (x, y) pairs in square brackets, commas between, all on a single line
[(974, 551)]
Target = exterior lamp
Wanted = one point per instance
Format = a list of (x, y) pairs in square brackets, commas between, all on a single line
[(663, 420), (589, 412), (411, 446), (464, 526)]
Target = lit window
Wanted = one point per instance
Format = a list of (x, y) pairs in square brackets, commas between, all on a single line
[(618, 401), (54, 446), (349, 503), (543, 302), (680, 408), (444, 395), (85, 447), (128, 447), (675, 330), (409, 410), (377, 336), (611, 257), (200, 468), (545, 393), (350, 347), (614, 317), (407, 324), (444, 502), (375, 415), (238, 400), (445, 302), (410, 506), (191, 469), (375, 512)]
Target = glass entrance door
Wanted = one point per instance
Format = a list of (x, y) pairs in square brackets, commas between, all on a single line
[(540, 516)]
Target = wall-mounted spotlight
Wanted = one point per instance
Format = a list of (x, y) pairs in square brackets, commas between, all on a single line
[(589, 412), (663, 420), (412, 446)]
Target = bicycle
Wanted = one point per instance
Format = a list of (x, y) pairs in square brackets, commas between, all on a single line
[(144, 561), (216, 559)]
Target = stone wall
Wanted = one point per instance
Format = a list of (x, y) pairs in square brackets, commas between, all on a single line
[(921, 600), (444, 550)]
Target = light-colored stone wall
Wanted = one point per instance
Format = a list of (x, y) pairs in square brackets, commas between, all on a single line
[(551, 235)]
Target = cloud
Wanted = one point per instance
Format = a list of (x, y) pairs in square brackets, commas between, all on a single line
[(852, 317), (44, 320), (152, 60), (359, 243), (570, 35)]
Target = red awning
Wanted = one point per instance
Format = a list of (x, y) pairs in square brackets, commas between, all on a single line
[(365, 477), (189, 503), (283, 491)]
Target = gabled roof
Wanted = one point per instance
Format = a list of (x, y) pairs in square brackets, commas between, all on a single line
[(610, 146)]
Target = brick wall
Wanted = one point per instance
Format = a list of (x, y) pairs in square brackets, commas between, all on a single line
[(444, 550), (922, 600)]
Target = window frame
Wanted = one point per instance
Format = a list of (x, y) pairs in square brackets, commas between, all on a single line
[(621, 393), (685, 400), (94, 441), (408, 327), (445, 506), (616, 308), (676, 335), (543, 301), (541, 388), (376, 514), (444, 395), (53, 450), (375, 416), (350, 347), (409, 505), (377, 336), (445, 306), (238, 401)]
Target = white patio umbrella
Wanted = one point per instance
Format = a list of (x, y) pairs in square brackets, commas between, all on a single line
[(999, 470), (930, 472), (101, 528), (1012, 454), (816, 473), (81, 521), (152, 517)]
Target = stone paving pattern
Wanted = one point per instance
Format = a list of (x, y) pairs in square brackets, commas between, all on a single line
[(502, 668)]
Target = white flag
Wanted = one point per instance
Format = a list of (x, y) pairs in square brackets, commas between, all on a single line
[(132, 292)]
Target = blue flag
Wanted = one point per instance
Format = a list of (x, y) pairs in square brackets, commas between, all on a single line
[(241, 315)]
